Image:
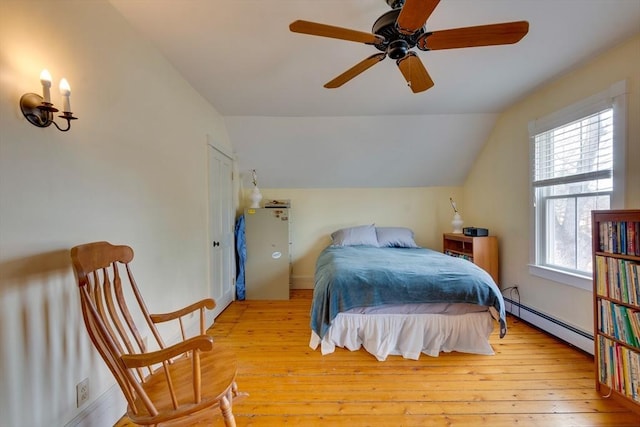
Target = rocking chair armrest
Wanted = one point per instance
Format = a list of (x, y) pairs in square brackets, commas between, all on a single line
[(164, 317), (201, 342)]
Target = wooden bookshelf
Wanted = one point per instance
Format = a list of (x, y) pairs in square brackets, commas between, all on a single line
[(616, 304), (482, 251)]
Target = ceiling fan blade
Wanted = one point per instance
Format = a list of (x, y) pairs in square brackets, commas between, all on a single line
[(414, 15), (482, 35), (316, 29), (414, 73), (352, 72)]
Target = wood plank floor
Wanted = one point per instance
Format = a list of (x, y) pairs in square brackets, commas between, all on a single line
[(533, 380)]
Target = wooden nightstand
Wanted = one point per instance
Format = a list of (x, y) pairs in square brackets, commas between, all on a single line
[(482, 251)]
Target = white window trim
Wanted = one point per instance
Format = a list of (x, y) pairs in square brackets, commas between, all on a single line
[(615, 96), (564, 277)]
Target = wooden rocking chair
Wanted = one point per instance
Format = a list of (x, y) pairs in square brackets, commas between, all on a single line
[(175, 385)]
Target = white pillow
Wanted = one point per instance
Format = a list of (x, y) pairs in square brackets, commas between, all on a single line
[(362, 235), (395, 237)]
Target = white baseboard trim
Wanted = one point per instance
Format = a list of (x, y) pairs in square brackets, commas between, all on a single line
[(570, 334), (302, 282), (105, 411)]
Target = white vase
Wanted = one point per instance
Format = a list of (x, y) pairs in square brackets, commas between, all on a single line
[(457, 223), (255, 197)]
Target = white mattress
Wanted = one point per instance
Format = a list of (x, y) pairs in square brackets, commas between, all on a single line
[(409, 330)]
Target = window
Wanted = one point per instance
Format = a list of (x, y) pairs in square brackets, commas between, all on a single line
[(576, 167)]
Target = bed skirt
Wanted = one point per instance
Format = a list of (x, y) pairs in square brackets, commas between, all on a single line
[(408, 335)]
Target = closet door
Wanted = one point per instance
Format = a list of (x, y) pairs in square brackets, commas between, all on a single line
[(221, 222)]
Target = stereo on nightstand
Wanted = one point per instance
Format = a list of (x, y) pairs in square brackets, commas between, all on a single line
[(475, 232)]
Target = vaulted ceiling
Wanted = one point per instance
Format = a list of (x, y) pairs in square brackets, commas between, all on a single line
[(372, 132)]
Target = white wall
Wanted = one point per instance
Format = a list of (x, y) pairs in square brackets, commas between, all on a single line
[(386, 151), (132, 170), (496, 192)]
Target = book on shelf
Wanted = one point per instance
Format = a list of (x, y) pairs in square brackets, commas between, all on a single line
[(458, 255), (619, 368), (616, 287), (620, 237), (618, 278), (619, 322)]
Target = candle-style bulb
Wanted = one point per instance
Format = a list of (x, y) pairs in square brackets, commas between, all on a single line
[(65, 91), (45, 79)]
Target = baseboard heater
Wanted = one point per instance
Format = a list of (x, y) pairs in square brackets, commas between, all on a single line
[(567, 333)]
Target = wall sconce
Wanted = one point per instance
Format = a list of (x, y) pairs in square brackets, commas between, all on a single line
[(39, 110)]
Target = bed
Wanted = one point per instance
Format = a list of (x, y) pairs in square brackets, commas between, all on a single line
[(375, 288)]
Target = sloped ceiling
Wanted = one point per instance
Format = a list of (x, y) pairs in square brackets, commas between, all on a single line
[(372, 132)]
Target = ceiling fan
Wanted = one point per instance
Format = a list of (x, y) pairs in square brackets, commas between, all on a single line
[(399, 30)]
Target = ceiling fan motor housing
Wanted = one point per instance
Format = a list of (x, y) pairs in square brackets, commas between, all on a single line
[(395, 43)]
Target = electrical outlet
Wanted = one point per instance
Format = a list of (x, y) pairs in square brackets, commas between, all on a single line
[(82, 392)]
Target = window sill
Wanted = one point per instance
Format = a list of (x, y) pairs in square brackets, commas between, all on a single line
[(577, 281)]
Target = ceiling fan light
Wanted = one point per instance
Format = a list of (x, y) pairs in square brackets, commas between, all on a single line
[(395, 4), (398, 49)]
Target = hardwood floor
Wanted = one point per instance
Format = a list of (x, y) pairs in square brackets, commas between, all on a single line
[(533, 380)]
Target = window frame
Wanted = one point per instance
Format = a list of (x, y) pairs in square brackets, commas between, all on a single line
[(614, 97)]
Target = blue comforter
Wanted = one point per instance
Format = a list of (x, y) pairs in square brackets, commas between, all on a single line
[(363, 276)]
